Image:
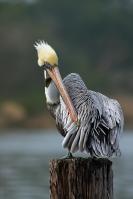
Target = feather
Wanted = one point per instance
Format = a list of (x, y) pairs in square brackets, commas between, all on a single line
[(101, 120), (81, 140), (71, 130), (75, 142)]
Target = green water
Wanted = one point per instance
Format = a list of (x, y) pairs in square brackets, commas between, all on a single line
[(24, 162)]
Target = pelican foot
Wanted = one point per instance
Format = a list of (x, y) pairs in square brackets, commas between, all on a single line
[(68, 156)]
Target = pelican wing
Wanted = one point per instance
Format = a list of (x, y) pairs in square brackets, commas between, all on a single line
[(65, 125), (104, 136), (100, 120)]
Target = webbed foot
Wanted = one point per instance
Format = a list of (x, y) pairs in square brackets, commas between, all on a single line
[(68, 156)]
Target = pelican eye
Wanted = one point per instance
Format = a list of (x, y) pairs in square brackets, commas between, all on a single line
[(47, 65)]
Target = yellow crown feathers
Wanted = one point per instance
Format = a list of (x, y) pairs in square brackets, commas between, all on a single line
[(46, 54)]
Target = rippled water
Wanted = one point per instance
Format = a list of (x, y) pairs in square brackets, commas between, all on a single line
[(24, 160)]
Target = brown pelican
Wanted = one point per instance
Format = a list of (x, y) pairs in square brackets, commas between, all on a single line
[(89, 121)]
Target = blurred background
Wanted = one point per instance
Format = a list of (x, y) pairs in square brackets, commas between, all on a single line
[(93, 38)]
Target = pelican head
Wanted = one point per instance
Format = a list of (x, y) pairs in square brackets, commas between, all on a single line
[(48, 59), (47, 56)]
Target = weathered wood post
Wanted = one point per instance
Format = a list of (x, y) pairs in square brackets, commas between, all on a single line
[(80, 178)]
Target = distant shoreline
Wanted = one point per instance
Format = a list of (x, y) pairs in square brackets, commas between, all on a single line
[(14, 115)]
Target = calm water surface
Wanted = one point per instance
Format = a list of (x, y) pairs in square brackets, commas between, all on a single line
[(24, 160)]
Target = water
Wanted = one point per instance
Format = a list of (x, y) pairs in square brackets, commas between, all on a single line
[(24, 162)]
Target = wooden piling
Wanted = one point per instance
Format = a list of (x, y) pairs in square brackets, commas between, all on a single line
[(80, 178)]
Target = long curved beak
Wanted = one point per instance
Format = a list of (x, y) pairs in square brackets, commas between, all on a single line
[(56, 77)]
